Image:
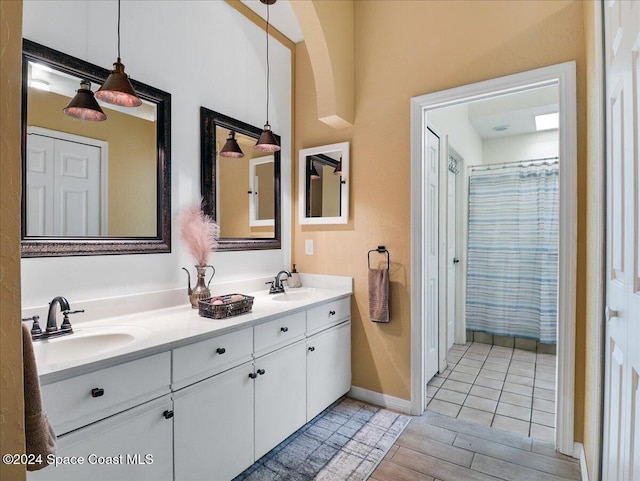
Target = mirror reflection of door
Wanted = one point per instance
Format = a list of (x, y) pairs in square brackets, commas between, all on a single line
[(66, 185), (261, 207), (324, 185)]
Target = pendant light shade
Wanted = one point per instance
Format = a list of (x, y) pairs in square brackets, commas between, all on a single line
[(267, 141), (338, 169), (84, 106), (231, 147), (117, 89), (313, 173)]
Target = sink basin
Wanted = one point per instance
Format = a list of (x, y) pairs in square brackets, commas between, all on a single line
[(87, 342), (295, 296)]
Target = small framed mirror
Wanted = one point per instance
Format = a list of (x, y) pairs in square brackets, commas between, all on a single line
[(241, 192), (323, 184)]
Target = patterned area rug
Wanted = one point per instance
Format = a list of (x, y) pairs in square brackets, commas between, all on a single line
[(345, 442)]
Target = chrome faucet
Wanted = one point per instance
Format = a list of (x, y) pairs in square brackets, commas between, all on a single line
[(276, 284)]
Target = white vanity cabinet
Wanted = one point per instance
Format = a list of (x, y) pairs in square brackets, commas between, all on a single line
[(117, 421), (135, 444), (214, 417), (213, 426), (280, 396), (328, 367), (206, 409)]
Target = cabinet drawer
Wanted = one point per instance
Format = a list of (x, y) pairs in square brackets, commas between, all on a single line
[(328, 314), (274, 334), (205, 358), (84, 399)]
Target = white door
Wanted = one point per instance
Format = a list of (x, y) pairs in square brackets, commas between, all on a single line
[(621, 447), (452, 262), (39, 188), (76, 197), (63, 187), (431, 253)]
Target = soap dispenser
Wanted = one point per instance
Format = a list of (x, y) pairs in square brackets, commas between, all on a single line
[(294, 280)]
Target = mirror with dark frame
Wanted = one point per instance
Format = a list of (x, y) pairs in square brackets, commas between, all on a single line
[(242, 194), (91, 188)]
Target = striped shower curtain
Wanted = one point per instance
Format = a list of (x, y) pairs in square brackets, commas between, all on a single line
[(512, 258)]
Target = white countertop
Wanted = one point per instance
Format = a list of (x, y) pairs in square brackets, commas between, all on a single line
[(163, 329)]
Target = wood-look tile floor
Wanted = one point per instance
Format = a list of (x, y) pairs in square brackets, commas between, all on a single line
[(441, 448)]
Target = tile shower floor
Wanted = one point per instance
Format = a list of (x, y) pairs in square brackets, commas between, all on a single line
[(505, 388)]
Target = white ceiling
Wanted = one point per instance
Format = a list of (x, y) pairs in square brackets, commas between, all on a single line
[(514, 111), (281, 16)]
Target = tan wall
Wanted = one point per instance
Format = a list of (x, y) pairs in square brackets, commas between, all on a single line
[(266, 190), (132, 160), (404, 49), (11, 395), (328, 26), (233, 185)]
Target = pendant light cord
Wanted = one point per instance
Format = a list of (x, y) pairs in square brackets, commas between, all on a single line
[(118, 30), (267, 32)]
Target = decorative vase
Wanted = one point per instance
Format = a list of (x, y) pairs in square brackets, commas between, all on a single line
[(201, 289)]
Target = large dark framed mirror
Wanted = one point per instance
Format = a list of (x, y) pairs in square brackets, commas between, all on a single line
[(91, 188), (242, 194)]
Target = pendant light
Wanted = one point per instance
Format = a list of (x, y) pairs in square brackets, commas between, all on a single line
[(338, 169), (267, 141), (83, 105), (313, 173), (231, 147), (117, 89)]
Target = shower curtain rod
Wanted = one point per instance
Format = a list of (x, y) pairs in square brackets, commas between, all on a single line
[(504, 165)]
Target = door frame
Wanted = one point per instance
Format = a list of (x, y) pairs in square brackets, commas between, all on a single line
[(564, 76)]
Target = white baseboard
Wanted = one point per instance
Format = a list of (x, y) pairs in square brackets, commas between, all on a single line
[(578, 452), (383, 400)]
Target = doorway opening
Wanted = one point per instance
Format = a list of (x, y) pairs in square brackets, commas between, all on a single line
[(467, 128)]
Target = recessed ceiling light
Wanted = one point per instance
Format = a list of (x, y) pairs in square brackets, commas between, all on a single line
[(547, 121), (500, 128)]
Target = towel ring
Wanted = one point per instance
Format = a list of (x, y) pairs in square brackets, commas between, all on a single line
[(380, 250)]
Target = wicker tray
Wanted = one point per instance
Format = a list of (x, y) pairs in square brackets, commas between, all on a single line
[(227, 308)]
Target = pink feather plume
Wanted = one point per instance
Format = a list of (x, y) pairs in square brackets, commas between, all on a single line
[(200, 233)]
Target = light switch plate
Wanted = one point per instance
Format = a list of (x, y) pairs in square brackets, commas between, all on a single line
[(308, 247)]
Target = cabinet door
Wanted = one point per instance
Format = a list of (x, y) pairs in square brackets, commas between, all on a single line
[(328, 367), (213, 426), (280, 396), (135, 444)]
